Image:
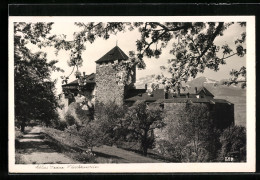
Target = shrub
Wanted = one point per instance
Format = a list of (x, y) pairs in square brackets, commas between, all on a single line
[(70, 119), (190, 135), (104, 129), (140, 122), (79, 116), (233, 143), (85, 115), (121, 123), (60, 125), (109, 120)]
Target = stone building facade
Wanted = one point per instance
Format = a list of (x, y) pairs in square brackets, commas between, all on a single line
[(105, 86)]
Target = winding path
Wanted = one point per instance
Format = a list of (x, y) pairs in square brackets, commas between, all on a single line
[(34, 148)]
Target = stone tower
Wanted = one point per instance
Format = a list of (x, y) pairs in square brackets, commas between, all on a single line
[(108, 86)]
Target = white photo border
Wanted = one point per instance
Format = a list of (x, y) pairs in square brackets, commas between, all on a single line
[(248, 166)]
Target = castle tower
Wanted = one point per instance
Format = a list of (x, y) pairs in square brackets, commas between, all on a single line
[(108, 85)]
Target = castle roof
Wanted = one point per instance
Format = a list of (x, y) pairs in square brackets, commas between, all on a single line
[(206, 92), (89, 79), (193, 100), (142, 94), (73, 83), (114, 54)]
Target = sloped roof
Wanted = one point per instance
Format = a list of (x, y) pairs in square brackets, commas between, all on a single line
[(141, 94), (206, 92), (89, 78), (73, 83), (181, 95), (114, 54), (192, 100)]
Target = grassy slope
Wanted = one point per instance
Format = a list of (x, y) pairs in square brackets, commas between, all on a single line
[(103, 154)]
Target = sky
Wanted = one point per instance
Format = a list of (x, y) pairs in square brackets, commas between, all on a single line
[(126, 41)]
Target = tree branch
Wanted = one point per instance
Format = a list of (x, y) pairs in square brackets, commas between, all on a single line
[(212, 38)]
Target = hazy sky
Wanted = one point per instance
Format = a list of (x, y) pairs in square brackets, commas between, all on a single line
[(127, 41)]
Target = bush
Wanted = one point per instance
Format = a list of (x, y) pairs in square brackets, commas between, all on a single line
[(103, 130), (140, 122), (60, 125), (85, 115), (190, 135), (233, 143), (114, 123), (109, 120), (79, 116), (70, 120)]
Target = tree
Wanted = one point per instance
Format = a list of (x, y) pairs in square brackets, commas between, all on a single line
[(105, 129), (89, 32), (190, 135), (193, 50), (109, 118), (233, 140), (113, 124), (34, 90), (140, 122)]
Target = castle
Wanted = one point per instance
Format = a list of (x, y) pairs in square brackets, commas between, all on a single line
[(105, 86)]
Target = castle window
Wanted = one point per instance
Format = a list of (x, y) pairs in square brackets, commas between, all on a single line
[(166, 95)]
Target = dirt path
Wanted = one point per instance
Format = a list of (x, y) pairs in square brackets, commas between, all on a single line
[(34, 148)]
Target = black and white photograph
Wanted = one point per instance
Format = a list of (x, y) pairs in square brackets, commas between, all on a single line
[(132, 94)]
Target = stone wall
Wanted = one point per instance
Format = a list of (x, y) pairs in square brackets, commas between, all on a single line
[(107, 88), (221, 113)]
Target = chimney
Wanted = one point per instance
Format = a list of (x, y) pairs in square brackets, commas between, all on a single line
[(84, 74), (196, 90), (145, 86)]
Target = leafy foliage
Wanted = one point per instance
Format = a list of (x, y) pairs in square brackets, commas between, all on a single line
[(113, 124), (140, 122), (233, 140), (193, 49), (70, 120), (89, 32), (237, 77), (77, 115), (110, 120), (104, 129), (34, 90), (190, 136)]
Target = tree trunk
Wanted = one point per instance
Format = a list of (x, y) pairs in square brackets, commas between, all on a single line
[(22, 126), (144, 145), (144, 149)]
